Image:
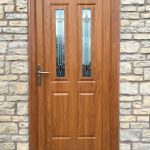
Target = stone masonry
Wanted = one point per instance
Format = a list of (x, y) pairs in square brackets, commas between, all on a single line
[(13, 75), (134, 70), (135, 75)]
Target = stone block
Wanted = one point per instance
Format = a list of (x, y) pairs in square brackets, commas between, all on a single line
[(19, 67), (147, 74), (125, 68), (128, 2), (22, 108), (7, 146), (141, 146), (9, 8), (146, 101), (127, 118), (8, 128), (129, 88), (129, 47), (22, 146), (3, 87), (1, 12), (130, 15), (18, 88), (145, 88), (130, 135), (3, 47)]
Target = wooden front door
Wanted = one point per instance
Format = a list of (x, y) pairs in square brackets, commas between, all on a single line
[(76, 104)]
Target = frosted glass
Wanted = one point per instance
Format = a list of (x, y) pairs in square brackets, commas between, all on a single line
[(60, 42), (86, 42)]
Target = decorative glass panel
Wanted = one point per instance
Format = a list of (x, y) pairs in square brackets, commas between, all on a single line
[(86, 42), (60, 42)]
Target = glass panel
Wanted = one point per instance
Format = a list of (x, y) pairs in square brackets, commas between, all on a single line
[(86, 42), (60, 42)]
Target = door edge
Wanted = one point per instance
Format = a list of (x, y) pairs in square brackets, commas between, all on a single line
[(33, 105), (115, 74)]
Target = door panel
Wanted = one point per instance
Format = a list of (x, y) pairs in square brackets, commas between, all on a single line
[(74, 46), (87, 115), (61, 115), (76, 106)]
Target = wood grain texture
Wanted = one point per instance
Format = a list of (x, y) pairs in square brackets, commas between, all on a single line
[(40, 89), (115, 59), (81, 100), (33, 105), (106, 74)]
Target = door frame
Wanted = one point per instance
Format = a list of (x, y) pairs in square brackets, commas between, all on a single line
[(114, 70)]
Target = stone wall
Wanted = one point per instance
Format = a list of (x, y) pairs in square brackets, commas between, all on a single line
[(135, 75), (13, 75)]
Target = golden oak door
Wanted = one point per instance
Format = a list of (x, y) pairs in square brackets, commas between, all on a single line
[(74, 47)]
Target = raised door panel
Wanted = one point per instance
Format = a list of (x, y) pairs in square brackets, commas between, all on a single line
[(61, 116), (87, 115)]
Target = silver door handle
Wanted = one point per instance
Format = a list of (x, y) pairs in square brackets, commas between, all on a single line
[(39, 74)]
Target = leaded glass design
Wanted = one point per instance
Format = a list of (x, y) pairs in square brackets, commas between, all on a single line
[(60, 42), (86, 42)]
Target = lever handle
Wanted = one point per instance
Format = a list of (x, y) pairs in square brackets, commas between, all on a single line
[(39, 74)]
